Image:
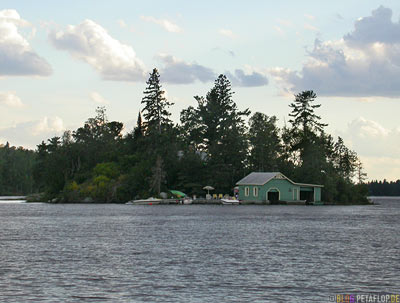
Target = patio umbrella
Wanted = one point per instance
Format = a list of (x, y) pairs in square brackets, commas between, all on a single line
[(178, 193), (208, 188)]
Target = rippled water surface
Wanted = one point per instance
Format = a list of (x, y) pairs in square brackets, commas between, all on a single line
[(130, 253)]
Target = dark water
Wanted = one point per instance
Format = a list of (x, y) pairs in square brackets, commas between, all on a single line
[(127, 253)]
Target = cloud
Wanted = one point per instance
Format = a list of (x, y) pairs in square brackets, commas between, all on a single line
[(227, 33), (252, 79), (10, 99), (375, 28), (97, 98), (361, 132), (377, 146), (364, 63), (379, 168), (166, 24), (31, 133), (17, 58), (177, 71), (91, 43), (180, 72)]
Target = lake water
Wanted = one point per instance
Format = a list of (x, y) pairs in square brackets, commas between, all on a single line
[(192, 253)]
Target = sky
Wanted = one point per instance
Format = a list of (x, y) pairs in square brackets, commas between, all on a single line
[(59, 60)]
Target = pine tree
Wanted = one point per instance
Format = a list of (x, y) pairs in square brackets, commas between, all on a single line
[(155, 104), (138, 131), (303, 113), (307, 137), (264, 143), (361, 175), (217, 128)]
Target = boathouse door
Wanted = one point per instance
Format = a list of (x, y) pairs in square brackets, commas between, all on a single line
[(273, 195)]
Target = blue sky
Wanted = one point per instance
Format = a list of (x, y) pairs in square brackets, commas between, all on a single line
[(59, 60)]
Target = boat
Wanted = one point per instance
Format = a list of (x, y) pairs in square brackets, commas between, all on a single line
[(230, 202), (149, 201), (187, 201)]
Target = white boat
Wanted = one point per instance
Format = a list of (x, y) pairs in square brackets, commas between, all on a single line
[(149, 201), (187, 201), (230, 202)]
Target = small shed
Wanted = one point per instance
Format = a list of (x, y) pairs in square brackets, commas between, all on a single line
[(274, 186)]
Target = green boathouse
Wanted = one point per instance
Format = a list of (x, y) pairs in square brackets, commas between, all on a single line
[(273, 187)]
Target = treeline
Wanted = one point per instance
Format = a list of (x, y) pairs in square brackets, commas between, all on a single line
[(214, 144), (384, 188), (16, 167)]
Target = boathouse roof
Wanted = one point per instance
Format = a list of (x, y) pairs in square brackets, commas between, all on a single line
[(260, 178)]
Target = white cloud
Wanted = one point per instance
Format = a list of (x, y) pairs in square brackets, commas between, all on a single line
[(180, 72), (364, 63), (10, 99), (97, 98), (370, 139), (166, 24), (31, 133), (377, 146), (91, 43), (379, 168), (227, 33), (17, 58)]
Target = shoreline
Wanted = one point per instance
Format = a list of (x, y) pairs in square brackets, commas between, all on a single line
[(208, 202)]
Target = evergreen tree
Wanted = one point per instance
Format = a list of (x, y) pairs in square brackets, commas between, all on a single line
[(345, 160), (307, 137), (303, 115), (217, 128), (265, 144), (138, 131), (361, 175), (155, 109)]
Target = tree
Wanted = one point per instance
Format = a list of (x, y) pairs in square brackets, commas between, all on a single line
[(303, 115), (216, 127), (361, 175), (307, 137), (138, 131), (264, 141), (158, 176), (345, 160), (155, 109)]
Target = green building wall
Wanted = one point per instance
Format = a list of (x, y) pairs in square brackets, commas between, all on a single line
[(287, 191)]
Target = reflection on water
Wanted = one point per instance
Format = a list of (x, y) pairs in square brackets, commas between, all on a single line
[(126, 253)]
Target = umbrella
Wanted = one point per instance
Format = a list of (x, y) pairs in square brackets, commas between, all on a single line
[(208, 188), (178, 193)]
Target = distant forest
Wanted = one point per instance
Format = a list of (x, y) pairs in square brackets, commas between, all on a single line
[(214, 144), (384, 188)]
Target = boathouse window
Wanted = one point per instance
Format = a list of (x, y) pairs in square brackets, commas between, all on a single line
[(246, 191), (255, 191)]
